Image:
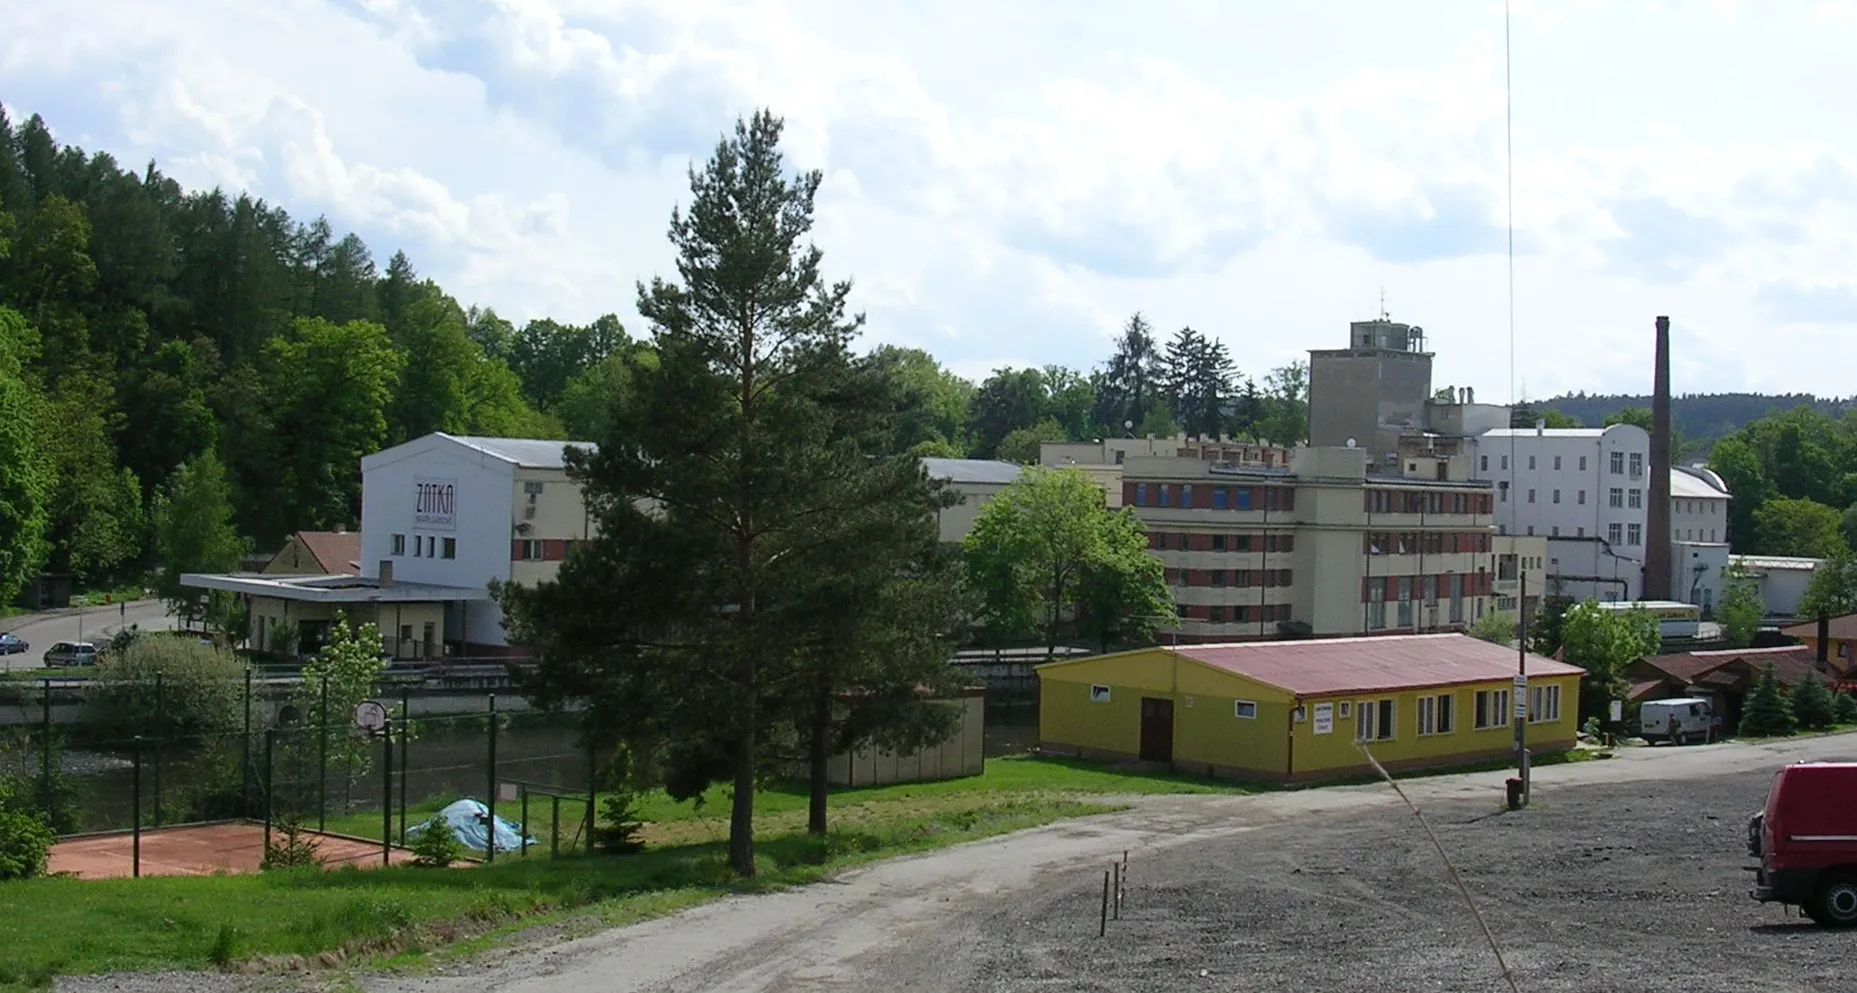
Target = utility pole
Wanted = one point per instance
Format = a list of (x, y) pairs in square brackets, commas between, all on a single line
[(1521, 682)]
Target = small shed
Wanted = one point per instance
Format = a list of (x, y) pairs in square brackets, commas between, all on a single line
[(1298, 711)]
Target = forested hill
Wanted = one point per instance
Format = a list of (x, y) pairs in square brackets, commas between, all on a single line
[(144, 327), (1701, 419)]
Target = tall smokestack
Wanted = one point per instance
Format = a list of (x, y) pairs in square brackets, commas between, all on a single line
[(1657, 519)]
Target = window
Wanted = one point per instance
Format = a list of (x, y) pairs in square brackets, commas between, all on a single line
[(1504, 488), (418, 546), (1711, 534), (1556, 496), (450, 548), (1505, 462), (1543, 704), (1580, 532), (1166, 495), (1243, 498), (1636, 499), (1376, 721), (1483, 463), (1435, 715), (399, 544), (1582, 499), (1617, 497), (1186, 494), (1531, 496), (1141, 494), (1099, 693), (529, 550), (1555, 531), (1618, 463), (1531, 463), (1244, 710), (1531, 530), (1634, 534), (1215, 614), (1492, 709), (1582, 463), (1220, 497), (1637, 464), (1218, 579), (1119, 456), (431, 547), (1556, 463)]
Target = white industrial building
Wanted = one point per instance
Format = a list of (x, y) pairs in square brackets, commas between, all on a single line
[(441, 517), (1780, 580)]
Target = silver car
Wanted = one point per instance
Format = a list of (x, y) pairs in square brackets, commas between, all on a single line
[(67, 654)]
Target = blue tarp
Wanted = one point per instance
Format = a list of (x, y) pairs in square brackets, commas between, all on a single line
[(468, 818)]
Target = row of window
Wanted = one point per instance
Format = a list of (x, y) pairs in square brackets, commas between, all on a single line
[(1631, 535), (1208, 497), (1437, 713), (1187, 542), (1429, 588), (1233, 613), (1411, 615), (1617, 463), (426, 546), (1427, 542), (1380, 501), (1229, 577)]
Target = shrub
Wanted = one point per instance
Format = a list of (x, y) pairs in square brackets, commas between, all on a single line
[(202, 690), (437, 845), (619, 825), (25, 840), (291, 849), (1812, 706)]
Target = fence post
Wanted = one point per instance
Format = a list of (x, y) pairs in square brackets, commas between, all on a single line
[(1102, 927), (406, 761), (245, 750), (322, 758), (554, 839), (386, 800), (161, 732), (270, 785), (135, 829), (50, 798), (593, 787), (490, 804), (525, 820)]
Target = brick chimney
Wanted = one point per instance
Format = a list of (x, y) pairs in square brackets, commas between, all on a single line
[(1657, 535)]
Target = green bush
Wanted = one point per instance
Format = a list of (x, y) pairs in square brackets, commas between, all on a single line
[(291, 849), (1766, 714), (25, 840), (1844, 710), (617, 831), (201, 690), (437, 846)]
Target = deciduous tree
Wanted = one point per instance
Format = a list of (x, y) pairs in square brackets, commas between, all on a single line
[(194, 531), (1605, 642), (1787, 526), (1740, 609)]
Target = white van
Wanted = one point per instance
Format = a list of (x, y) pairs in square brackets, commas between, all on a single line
[(1679, 721)]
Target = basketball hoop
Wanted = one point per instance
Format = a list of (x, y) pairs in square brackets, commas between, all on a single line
[(371, 716)]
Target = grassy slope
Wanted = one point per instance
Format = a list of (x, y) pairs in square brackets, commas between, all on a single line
[(62, 926)]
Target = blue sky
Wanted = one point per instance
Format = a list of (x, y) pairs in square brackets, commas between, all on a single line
[(1006, 182)]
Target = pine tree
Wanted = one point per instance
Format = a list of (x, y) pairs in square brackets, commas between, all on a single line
[(1131, 385), (1844, 709), (1765, 714), (1812, 706)]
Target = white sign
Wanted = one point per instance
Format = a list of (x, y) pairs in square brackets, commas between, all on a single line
[(1521, 681), (435, 504), (1521, 709), (1324, 718), (1618, 710), (370, 716)]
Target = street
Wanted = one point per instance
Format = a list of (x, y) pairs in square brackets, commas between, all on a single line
[(93, 624)]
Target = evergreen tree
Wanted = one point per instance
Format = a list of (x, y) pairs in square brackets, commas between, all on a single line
[(1813, 709), (1765, 714), (1131, 384), (731, 477), (1844, 709)]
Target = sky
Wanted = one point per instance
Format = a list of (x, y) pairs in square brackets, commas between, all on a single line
[(1006, 182)]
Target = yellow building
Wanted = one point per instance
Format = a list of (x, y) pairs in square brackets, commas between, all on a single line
[(1297, 711)]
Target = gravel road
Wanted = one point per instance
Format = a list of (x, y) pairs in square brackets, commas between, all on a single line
[(1624, 875)]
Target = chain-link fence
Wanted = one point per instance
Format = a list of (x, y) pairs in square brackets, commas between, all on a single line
[(98, 756)]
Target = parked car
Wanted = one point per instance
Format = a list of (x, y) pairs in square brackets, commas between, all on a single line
[(1679, 721), (1806, 840), (12, 644), (66, 654)]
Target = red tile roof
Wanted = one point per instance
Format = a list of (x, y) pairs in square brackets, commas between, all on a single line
[(339, 552), (1324, 666), (1726, 667)]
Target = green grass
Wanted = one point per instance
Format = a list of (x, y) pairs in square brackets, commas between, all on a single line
[(783, 807), (125, 593), (69, 926)]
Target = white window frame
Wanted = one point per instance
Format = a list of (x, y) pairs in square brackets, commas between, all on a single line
[(399, 545), (1543, 704), (1492, 709), (1099, 693), (1370, 727), (1615, 533), (1435, 719), (1244, 710)]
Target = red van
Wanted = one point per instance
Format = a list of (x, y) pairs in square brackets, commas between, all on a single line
[(1806, 840)]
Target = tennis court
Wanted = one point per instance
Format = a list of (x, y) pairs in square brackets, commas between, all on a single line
[(199, 850)]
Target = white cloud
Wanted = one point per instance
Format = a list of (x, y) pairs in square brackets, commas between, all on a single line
[(1005, 185)]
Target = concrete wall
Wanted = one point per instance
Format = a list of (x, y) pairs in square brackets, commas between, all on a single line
[(962, 754), (269, 614), (555, 514), (1366, 395), (1697, 572), (958, 520)]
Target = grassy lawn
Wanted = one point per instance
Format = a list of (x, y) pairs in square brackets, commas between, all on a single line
[(783, 808), (126, 593)]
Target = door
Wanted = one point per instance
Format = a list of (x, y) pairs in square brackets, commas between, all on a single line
[(1157, 730)]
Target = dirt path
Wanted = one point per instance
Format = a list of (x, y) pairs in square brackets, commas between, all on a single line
[(910, 924)]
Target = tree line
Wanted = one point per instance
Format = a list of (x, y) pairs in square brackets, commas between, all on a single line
[(153, 339)]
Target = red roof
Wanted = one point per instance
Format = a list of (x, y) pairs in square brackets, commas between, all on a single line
[(339, 552), (1325, 666), (1791, 664)]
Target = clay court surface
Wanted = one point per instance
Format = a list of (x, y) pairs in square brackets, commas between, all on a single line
[(199, 851)]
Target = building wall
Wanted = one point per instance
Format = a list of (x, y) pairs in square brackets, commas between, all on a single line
[(958, 520), (1369, 395), (548, 517), (1211, 737), (480, 525), (1697, 571), (962, 754), (1517, 560), (1593, 545), (1703, 519), (269, 614), (1780, 583)]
